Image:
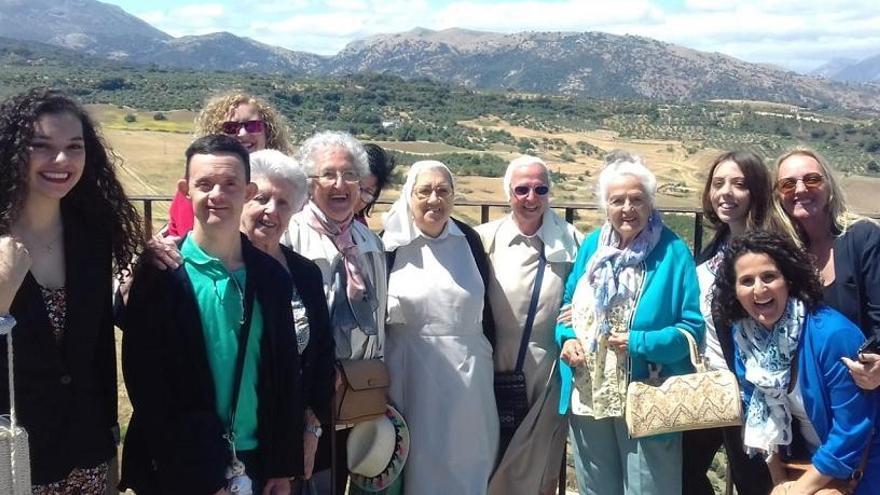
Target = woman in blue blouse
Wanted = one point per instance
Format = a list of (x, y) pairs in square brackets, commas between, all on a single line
[(800, 399), (633, 286)]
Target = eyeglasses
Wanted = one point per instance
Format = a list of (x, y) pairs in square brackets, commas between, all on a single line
[(788, 185), (523, 191), (441, 192), (330, 177), (368, 196), (251, 127)]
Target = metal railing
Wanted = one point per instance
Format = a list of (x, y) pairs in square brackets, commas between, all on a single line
[(569, 209)]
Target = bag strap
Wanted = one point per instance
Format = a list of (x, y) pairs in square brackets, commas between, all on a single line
[(694, 351), (243, 334), (533, 307)]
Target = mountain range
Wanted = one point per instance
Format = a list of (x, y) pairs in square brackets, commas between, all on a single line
[(587, 64)]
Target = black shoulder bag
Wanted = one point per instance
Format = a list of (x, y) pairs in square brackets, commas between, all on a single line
[(237, 478), (511, 396)]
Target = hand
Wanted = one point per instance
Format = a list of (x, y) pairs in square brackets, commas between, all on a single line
[(865, 371), (573, 353), (15, 262), (619, 342), (277, 486), (165, 252), (564, 316), (310, 448), (784, 488)]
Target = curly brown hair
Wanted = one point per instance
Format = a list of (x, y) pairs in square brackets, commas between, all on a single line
[(221, 107), (98, 196), (792, 261)]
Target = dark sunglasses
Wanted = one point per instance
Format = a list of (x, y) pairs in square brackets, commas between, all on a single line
[(524, 190), (787, 186), (251, 127)]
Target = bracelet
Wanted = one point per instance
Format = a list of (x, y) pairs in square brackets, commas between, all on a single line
[(7, 322)]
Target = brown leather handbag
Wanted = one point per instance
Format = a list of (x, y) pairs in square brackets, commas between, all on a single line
[(364, 392)]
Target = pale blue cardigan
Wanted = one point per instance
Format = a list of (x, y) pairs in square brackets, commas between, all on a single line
[(843, 415), (669, 300)]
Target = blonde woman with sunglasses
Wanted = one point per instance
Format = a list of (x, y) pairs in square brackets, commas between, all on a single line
[(845, 248)]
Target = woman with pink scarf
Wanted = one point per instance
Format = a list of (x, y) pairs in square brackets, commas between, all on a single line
[(351, 259)]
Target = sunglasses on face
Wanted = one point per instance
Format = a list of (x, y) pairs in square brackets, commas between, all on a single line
[(251, 127), (788, 185), (523, 191)]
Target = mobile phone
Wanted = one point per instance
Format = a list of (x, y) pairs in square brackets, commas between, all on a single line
[(871, 346)]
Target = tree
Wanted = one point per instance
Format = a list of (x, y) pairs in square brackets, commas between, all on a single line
[(159, 116), (130, 117)]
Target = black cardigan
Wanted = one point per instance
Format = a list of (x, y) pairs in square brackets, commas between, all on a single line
[(174, 442), (65, 396), (856, 288), (317, 359)]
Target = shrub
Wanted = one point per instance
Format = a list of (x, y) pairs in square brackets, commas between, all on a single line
[(159, 116), (130, 117)]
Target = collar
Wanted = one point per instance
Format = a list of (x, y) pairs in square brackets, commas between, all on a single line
[(209, 265), (451, 228), (559, 238)]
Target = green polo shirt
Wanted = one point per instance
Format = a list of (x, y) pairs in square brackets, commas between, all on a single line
[(220, 296)]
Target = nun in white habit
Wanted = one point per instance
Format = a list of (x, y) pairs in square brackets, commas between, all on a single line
[(439, 337)]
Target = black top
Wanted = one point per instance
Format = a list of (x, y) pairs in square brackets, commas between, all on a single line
[(65, 395), (317, 359), (855, 291), (174, 442)]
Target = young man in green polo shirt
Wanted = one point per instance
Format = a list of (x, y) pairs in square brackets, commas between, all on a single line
[(209, 358)]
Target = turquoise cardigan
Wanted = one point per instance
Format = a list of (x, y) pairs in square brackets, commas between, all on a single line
[(669, 301)]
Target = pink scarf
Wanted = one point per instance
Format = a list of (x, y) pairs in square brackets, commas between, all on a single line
[(340, 234)]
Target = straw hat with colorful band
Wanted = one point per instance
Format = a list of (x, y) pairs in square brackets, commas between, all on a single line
[(377, 451)]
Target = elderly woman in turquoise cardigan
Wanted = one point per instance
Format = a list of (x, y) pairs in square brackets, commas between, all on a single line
[(632, 289), (802, 405)]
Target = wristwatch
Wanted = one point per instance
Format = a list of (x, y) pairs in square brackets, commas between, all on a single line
[(314, 430)]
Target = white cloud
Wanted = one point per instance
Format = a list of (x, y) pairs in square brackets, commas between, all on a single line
[(792, 33)]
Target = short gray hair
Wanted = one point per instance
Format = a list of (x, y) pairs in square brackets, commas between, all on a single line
[(523, 161), (275, 165), (619, 163), (333, 139)]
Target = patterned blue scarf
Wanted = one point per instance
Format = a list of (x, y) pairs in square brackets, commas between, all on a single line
[(609, 261), (767, 356)]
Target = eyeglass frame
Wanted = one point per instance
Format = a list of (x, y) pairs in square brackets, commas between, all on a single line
[(815, 181), (434, 191), (339, 174), (224, 127), (529, 189)]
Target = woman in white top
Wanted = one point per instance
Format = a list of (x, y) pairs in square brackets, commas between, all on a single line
[(438, 342), (737, 197)]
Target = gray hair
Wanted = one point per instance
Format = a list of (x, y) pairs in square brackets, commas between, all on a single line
[(333, 139), (523, 161), (619, 163), (275, 165)]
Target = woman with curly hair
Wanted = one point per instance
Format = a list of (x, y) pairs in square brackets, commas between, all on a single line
[(737, 197), (65, 228), (845, 247), (251, 121), (800, 401)]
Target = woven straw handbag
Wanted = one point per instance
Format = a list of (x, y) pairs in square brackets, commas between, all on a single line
[(695, 401), (15, 459)]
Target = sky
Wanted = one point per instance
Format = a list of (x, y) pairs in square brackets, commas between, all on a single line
[(794, 34)]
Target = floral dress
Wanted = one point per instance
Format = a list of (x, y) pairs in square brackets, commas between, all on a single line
[(80, 481)]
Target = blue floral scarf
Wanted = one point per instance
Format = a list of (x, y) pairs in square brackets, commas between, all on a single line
[(767, 356)]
